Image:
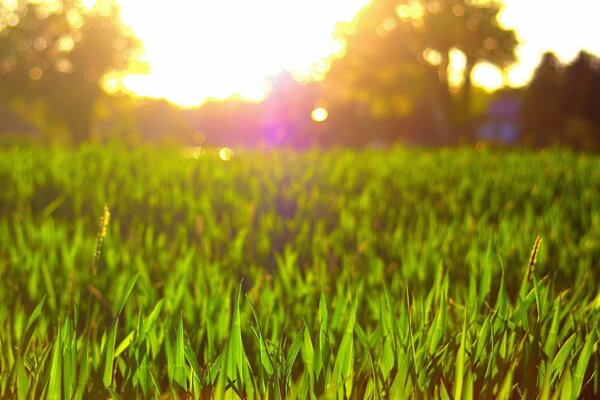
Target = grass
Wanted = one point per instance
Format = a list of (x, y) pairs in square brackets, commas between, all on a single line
[(373, 274)]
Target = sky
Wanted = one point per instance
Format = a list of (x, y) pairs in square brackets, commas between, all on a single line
[(216, 49), (564, 27)]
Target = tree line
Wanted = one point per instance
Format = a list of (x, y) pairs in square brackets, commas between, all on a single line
[(561, 105), (392, 82)]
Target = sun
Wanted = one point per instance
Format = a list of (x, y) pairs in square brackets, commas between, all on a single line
[(199, 50)]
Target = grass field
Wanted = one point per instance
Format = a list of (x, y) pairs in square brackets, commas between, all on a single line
[(374, 274)]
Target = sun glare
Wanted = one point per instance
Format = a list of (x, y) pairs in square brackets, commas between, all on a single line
[(218, 49), (488, 76), (199, 50)]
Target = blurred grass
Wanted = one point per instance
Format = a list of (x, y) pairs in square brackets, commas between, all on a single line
[(396, 273)]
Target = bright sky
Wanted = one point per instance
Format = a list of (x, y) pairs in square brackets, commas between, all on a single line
[(215, 49), (564, 27)]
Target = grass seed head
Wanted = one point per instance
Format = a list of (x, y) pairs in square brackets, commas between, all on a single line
[(533, 257), (104, 220)]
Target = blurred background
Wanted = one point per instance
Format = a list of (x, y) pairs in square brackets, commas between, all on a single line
[(267, 74)]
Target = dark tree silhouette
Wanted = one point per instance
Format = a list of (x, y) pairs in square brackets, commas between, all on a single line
[(581, 101), (542, 112), (53, 57), (562, 103)]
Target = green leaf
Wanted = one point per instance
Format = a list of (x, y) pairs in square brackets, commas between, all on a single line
[(582, 364), (55, 380), (126, 293), (321, 356), (113, 393), (485, 279), (31, 324), (482, 337), (562, 357), (438, 327), (109, 353), (343, 367), (179, 374), (550, 345), (308, 357), (22, 379), (151, 318), (506, 388), (125, 343), (84, 369), (460, 361), (235, 348), (265, 358), (190, 356), (293, 353), (69, 361)]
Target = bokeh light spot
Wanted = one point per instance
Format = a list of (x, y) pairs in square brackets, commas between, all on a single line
[(89, 4), (35, 73), (111, 85), (66, 43), (319, 114), (63, 65), (488, 76), (199, 137), (458, 10), (40, 43), (225, 153), (432, 56)]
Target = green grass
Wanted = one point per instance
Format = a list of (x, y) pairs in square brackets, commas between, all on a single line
[(373, 274)]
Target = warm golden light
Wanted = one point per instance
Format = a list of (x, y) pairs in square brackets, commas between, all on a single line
[(198, 50), (319, 114), (35, 73), (111, 84), (433, 57), (199, 137), (488, 76), (226, 154), (563, 27)]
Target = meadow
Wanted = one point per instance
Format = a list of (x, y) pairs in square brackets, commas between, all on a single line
[(163, 273)]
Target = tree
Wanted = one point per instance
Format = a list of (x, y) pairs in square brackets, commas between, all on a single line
[(398, 54), (560, 104), (471, 27), (580, 101), (542, 112), (53, 56)]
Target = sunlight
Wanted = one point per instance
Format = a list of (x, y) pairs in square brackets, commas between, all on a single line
[(218, 49), (487, 76), (225, 154), (559, 26), (231, 48), (319, 114)]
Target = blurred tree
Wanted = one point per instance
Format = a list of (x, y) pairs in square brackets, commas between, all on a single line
[(581, 101), (471, 27), (542, 111), (561, 103), (54, 55), (380, 71), (398, 54)]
